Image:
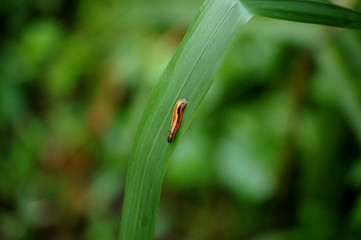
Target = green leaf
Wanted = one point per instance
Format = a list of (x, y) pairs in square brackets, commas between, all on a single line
[(305, 11), (189, 75)]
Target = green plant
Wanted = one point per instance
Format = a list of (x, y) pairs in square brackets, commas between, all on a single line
[(189, 75)]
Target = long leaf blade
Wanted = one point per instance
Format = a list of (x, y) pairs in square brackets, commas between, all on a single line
[(189, 75), (305, 11)]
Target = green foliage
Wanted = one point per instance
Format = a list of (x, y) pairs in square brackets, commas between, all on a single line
[(272, 153)]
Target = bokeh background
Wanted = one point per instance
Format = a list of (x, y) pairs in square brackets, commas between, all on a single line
[(273, 153)]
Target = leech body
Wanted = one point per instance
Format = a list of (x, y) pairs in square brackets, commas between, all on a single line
[(176, 118)]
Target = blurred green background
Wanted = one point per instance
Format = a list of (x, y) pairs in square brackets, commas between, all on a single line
[(274, 152)]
